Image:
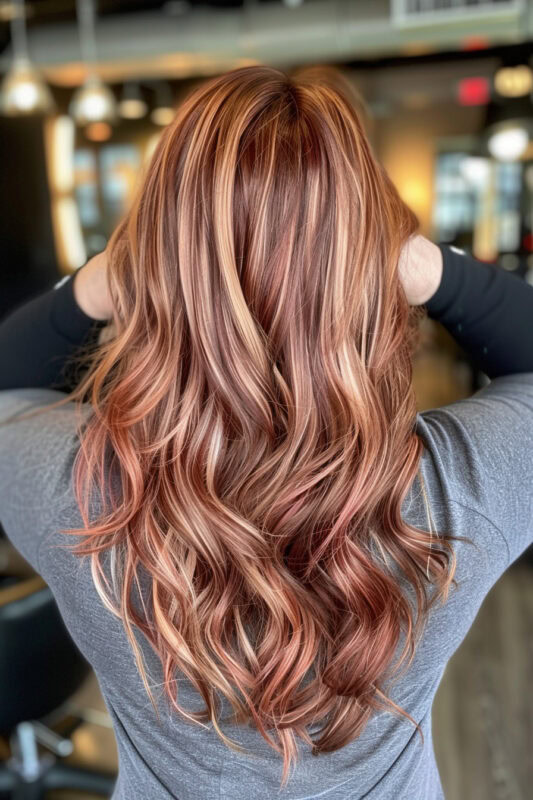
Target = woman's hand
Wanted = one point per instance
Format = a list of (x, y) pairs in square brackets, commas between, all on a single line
[(90, 288), (420, 267)]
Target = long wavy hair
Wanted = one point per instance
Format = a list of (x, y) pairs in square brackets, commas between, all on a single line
[(256, 403)]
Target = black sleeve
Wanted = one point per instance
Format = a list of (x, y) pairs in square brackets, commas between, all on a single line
[(38, 338), (487, 310)]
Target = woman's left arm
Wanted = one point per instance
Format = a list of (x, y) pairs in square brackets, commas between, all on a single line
[(38, 337)]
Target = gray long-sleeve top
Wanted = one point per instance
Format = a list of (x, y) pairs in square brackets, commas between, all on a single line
[(478, 470)]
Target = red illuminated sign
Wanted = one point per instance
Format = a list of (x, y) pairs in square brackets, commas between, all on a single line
[(473, 91)]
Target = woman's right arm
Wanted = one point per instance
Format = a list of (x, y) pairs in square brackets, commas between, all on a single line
[(483, 444), (488, 311)]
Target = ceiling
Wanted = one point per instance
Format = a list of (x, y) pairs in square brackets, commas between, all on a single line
[(177, 39), (44, 12)]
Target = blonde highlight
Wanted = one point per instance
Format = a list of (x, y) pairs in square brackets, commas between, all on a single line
[(256, 406)]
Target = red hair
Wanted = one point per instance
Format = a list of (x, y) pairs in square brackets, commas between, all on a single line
[(256, 402)]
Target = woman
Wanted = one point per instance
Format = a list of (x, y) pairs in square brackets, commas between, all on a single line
[(281, 555)]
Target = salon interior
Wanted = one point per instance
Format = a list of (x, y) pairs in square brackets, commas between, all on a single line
[(86, 90)]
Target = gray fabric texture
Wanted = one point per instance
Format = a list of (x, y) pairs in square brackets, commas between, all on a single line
[(477, 467)]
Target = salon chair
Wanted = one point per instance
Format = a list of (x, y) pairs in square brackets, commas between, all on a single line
[(40, 668)]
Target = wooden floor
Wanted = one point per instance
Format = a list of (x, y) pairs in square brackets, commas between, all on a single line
[(482, 715), (483, 712)]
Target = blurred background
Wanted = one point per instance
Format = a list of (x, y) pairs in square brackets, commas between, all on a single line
[(87, 88)]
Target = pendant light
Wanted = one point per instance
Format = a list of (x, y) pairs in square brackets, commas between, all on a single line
[(93, 101), (508, 121), (508, 127), (23, 90), (132, 104), (164, 110)]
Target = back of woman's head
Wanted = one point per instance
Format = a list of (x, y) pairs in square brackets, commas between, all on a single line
[(257, 402)]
